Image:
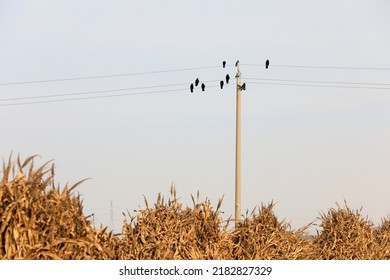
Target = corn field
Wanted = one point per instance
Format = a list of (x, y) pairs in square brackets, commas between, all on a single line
[(39, 220)]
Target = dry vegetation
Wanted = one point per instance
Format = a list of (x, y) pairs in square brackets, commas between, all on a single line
[(41, 221)]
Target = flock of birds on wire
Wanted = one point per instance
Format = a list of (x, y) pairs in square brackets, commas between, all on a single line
[(221, 83)]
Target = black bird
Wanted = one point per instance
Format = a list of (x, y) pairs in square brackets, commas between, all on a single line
[(223, 64), (192, 88), (221, 84), (203, 87), (243, 87), (237, 62), (266, 64), (196, 82), (227, 78)]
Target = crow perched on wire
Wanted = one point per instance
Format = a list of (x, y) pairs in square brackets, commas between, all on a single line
[(227, 78), (223, 64), (221, 84), (266, 64), (192, 88), (196, 82), (203, 87)]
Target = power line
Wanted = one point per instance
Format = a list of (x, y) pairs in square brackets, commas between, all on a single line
[(91, 97), (321, 67), (166, 91), (186, 69), (96, 97), (106, 76), (320, 81), (323, 86), (76, 95), (180, 84), (87, 92), (95, 92)]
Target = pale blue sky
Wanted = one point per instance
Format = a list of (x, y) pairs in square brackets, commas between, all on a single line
[(303, 147)]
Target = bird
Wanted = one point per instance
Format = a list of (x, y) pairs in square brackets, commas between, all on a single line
[(266, 64), (221, 84), (237, 62), (243, 87), (227, 78), (203, 87), (192, 88), (196, 82), (223, 64)]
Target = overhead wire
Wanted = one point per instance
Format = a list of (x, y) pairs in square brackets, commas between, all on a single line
[(320, 86), (87, 92), (319, 81), (90, 97), (186, 69), (156, 92), (107, 76), (277, 82), (95, 97), (319, 67), (96, 92)]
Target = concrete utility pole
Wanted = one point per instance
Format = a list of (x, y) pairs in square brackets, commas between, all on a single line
[(238, 146), (239, 87), (111, 216)]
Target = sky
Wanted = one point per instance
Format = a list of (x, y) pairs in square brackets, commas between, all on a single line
[(315, 125)]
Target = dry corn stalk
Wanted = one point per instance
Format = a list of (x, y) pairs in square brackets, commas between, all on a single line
[(170, 231), (262, 236), (41, 221), (346, 235)]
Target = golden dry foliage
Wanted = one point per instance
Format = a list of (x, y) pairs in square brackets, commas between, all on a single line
[(262, 236), (167, 231), (382, 235), (346, 235), (38, 221)]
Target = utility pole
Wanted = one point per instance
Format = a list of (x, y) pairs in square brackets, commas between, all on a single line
[(238, 147), (239, 88), (111, 216)]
